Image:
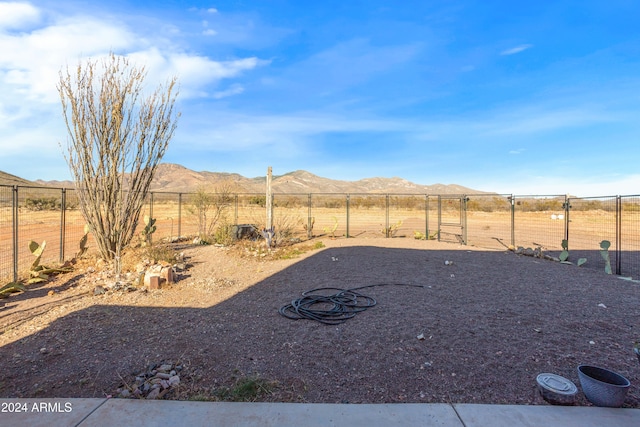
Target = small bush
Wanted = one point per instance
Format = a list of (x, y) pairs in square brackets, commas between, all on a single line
[(223, 234), (258, 200), (158, 253), (42, 204)]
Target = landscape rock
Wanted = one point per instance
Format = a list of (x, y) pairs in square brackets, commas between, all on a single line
[(156, 381), (153, 394)]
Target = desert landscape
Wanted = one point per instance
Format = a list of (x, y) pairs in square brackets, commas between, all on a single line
[(453, 322)]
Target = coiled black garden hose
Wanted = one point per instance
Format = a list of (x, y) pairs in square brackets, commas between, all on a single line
[(332, 309)]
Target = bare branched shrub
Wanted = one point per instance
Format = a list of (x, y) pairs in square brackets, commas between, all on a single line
[(117, 137), (211, 206)]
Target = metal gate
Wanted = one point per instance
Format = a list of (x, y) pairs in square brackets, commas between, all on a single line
[(452, 219)]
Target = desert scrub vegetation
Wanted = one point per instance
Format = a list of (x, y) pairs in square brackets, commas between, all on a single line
[(257, 248), (210, 206)]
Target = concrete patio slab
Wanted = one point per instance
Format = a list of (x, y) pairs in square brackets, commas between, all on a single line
[(46, 412), (545, 415), (121, 412), (174, 413)]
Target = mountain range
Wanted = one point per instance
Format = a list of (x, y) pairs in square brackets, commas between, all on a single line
[(171, 177)]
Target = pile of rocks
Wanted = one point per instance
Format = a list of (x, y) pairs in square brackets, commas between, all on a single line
[(536, 253), (151, 276), (154, 382)]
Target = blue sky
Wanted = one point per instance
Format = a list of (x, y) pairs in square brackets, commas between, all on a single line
[(512, 97)]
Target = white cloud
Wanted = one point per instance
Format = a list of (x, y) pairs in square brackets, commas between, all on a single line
[(235, 89), (212, 10), (528, 121), (31, 60), (516, 49), (284, 135), (15, 15), (209, 32)]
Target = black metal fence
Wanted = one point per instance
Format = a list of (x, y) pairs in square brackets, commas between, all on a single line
[(485, 221)]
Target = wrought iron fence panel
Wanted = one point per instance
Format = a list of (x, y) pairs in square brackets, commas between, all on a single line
[(489, 221), (483, 220), (539, 221), (7, 256), (407, 216), (629, 237)]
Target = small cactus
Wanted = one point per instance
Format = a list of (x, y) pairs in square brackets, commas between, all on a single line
[(36, 250), (309, 226), (392, 229), (40, 273), (332, 229), (10, 288), (604, 252), (564, 255), (83, 242), (148, 230)]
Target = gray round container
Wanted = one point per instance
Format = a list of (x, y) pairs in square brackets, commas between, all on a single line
[(557, 390), (603, 387)]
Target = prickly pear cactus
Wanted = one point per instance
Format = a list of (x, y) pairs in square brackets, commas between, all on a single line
[(564, 255), (36, 250), (604, 252)]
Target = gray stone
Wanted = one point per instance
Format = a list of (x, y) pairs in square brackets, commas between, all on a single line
[(153, 394)]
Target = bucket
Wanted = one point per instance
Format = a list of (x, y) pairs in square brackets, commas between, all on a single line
[(603, 387)]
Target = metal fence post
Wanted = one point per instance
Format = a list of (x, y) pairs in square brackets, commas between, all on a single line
[(426, 216), (309, 220), (150, 236), (348, 201), (386, 216), (567, 207), (618, 235), (235, 211), (14, 221), (463, 219), (63, 222), (512, 198), (151, 205), (179, 215), (439, 215)]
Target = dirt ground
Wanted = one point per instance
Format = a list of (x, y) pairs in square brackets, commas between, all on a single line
[(478, 330)]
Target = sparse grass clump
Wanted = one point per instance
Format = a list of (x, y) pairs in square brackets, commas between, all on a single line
[(246, 389)]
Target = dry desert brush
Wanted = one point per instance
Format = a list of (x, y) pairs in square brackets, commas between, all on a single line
[(117, 137)]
